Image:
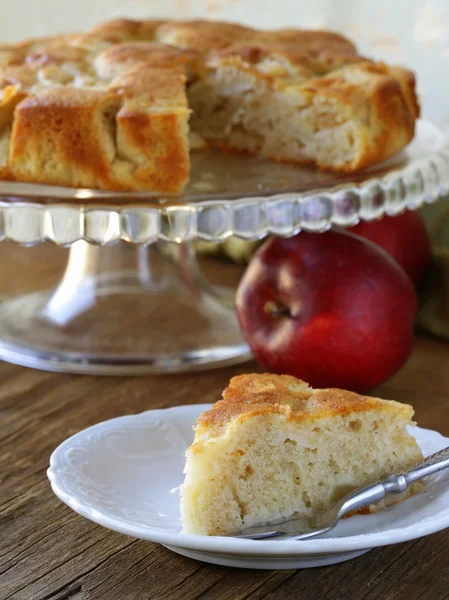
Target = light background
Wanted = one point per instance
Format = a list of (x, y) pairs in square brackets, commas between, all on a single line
[(411, 32)]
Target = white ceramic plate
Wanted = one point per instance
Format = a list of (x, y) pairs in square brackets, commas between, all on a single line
[(125, 475)]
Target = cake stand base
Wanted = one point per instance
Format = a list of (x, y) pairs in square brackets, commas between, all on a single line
[(125, 310)]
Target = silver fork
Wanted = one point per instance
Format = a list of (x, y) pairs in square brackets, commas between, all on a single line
[(299, 529)]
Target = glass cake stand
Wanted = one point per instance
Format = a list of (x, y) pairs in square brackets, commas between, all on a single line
[(129, 295)]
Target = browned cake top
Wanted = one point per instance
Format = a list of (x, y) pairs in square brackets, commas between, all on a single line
[(120, 30), (96, 57), (315, 52), (259, 394)]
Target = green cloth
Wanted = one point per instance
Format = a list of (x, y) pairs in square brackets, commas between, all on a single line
[(433, 314)]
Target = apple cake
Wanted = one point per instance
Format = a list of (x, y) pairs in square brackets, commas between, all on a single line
[(274, 448), (112, 108)]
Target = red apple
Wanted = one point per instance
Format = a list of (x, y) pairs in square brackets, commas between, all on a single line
[(333, 309), (405, 237)]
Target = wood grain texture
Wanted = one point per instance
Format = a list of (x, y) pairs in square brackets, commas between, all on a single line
[(47, 552)]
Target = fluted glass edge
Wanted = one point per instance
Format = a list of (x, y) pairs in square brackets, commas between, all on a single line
[(421, 182)]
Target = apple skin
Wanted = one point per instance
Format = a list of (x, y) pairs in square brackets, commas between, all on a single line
[(332, 309), (404, 237)]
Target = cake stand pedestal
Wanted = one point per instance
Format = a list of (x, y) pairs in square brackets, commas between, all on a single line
[(122, 310)]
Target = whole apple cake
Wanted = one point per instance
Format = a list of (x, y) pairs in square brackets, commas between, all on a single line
[(120, 107), (274, 448)]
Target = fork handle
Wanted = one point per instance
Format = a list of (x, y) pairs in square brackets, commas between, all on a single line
[(395, 484), (432, 464)]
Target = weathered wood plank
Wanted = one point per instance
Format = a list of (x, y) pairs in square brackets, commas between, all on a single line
[(49, 553)]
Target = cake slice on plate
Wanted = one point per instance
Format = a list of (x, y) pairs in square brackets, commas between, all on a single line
[(274, 447)]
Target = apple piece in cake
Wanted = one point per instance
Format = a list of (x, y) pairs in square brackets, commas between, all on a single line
[(110, 108), (274, 447)]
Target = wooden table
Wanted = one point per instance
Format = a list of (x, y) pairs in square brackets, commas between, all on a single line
[(47, 552)]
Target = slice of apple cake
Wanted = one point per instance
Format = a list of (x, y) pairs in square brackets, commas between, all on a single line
[(274, 447)]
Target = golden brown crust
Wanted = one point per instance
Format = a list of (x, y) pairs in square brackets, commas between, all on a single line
[(376, 101), (126, 56), (317, 51), (294, 58), (57, 137), (46, 86), (16, 54), (103, 138), (201, 35), (258, 394), (155, 140), (314, 39), (115, 32)]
